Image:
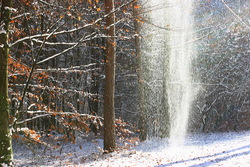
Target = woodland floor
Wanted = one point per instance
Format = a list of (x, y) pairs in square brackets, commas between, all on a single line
[(215, 149)]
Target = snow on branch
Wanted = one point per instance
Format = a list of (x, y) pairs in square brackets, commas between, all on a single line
[(33, 118), (54, 43), (81, 68), (2, 32), (47, 113), (68, 70), (75, 43), (72, 30), (10, 9), (19, 16), (54, 88), (56, 33), (68, 49)]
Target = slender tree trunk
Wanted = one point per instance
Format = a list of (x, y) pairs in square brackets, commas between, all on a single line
[(142, 115), (94, 78), (5, 135), (109, 113)]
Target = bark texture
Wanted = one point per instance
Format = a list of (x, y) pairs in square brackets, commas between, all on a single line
[(109, 113), (5, 135)]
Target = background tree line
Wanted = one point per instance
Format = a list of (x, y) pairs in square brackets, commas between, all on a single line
[(221, 67)]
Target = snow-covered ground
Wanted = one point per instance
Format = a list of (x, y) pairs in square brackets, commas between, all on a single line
[(220, 149)]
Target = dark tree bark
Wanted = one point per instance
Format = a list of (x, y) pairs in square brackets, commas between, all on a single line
[(5, 135), (109, 113)]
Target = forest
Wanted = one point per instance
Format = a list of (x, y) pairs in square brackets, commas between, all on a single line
[(101, 71)]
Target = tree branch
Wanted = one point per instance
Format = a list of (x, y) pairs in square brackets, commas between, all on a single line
[(46, 114), (72, 30)]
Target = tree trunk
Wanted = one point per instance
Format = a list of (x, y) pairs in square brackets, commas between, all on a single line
[(5, 135), (142, 115), (95, 84), (109, 87)]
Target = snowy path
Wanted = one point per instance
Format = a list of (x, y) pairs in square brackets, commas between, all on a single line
[(225, 149)]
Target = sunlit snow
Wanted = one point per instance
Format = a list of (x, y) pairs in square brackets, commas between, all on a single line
[(224, 149)]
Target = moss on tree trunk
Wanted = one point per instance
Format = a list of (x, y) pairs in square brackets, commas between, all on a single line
[(5, 135)]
